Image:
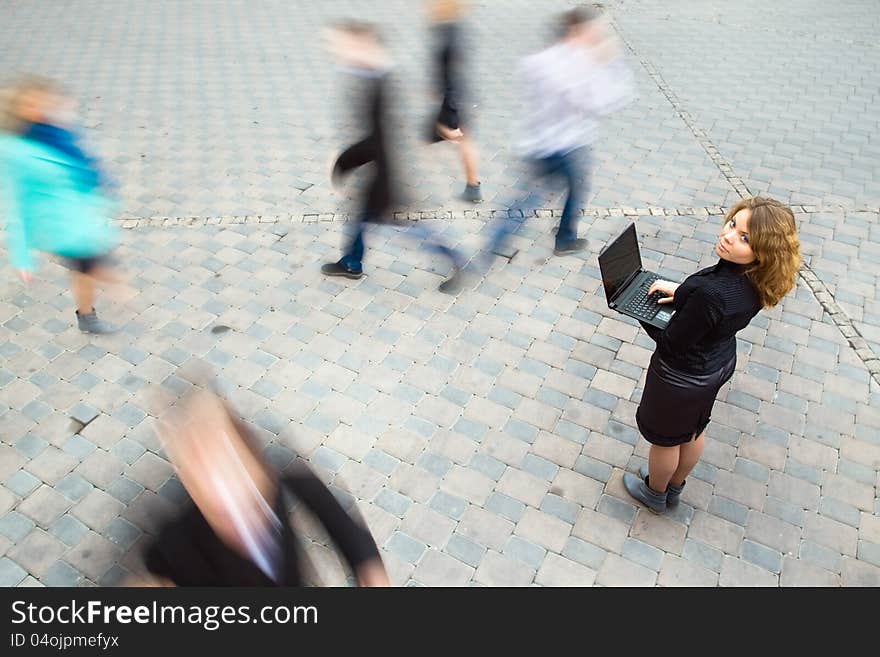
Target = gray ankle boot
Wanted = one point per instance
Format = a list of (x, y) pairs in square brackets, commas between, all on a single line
[(89, 323), (672, 492), (472, 193), (640, 490)]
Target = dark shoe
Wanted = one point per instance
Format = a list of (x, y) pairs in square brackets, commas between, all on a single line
[(672, 492), (574, 246), (472, 193), (89, 323), (639, 489), (338, 269), (453, 284)]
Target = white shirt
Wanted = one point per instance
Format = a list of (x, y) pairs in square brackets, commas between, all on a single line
[(565, 91)]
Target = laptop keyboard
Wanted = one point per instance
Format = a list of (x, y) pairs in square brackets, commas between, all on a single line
[(642, 305)]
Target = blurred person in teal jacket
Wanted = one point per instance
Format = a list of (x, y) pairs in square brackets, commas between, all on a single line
[(53, 197)]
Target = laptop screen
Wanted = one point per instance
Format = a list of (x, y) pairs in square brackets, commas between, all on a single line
[(619, 260)]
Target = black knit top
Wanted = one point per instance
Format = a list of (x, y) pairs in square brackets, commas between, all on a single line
[(710, 307)]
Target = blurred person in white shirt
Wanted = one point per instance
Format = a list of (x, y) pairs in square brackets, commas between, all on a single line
[(567, 88)]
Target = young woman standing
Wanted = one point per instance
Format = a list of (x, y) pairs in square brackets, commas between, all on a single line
[(759, 256)]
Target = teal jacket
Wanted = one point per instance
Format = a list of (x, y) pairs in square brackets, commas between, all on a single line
[(47, 207)]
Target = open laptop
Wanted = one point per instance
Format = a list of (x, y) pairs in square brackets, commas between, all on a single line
[(626, 283)]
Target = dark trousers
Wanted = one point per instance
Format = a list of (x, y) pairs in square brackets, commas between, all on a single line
[(353, 257)]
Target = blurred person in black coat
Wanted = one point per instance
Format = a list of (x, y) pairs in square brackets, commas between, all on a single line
[(359, 50), (234, 529)]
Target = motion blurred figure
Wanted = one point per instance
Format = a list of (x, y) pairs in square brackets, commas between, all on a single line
[(54, 197), (235, 529), (450, 121), (357, 47), (567, 88)]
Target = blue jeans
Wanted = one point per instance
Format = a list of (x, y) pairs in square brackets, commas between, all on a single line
[(353, 257), (572, 168)]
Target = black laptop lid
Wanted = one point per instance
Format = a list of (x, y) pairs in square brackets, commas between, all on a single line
[(619, 260)]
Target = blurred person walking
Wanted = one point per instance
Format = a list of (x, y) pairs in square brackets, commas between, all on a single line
[(450, 123), (758, 259), (234, 529), (359, 50), (566, 89), (54, 197)]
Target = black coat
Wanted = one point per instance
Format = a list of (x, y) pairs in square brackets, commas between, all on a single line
[(189, 553), (379, 194)]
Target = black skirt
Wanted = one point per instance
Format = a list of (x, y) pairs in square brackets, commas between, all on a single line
[(447, 116), (676, 406)]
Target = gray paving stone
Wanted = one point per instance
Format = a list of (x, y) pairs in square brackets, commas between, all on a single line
[(122, 533), (592, 468), (859, 573), (716, 532), (539, 467), (643, 554), (786, 511), (22, 483), (79, 447), (601, 530), (796, 572), (543, 529), (831, 534), (11, 574), (728, 509), (93, 556), (616, 508), (491, 467), (560, 508), (68, 530), (36, 552), (439, 569), (762, 556), (31, 445), (44, 506), (448, 505), (328, 459), (821, 556), (617, 571), (393, 502), (435, 464), (840, 511), (584, 553), (15, 526), (559, 571), (61, 574), (702, 555), (505, 506), (406, 547), (793, 490), (522, 550), (465, 550), (869, 552), (498, 570), (736, 572), (74, 487)]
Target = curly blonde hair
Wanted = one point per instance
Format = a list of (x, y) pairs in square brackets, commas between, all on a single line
[(774, 241)]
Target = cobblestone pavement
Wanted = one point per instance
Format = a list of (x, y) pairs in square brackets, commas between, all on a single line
[(483, 437)]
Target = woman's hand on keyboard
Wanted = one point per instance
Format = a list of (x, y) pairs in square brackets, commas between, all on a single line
[(666, 288)]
